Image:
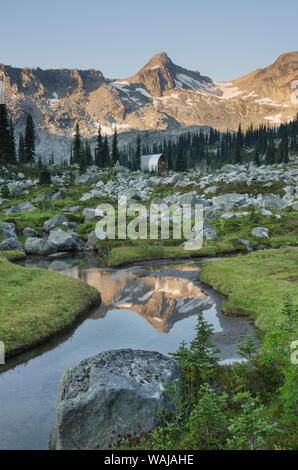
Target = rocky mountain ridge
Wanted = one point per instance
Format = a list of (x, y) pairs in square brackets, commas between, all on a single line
[(162, 96)]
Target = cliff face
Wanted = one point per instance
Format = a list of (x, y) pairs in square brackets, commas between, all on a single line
[(161, 96)]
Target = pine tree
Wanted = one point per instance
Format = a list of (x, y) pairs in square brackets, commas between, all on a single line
[(237, 155), (4, 135), (138, 154), (21, 149), (257, 157), (29, 140), (43, 174), (12, 145), (77, 145), (169, 155), (105, 153), (115, 151), (180, 161), (99, 150), (285, 147), (270, 153)]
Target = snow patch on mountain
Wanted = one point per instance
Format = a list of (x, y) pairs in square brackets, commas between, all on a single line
[(182, 79), (276, 119)]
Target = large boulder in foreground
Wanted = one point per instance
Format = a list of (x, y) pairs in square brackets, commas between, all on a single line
[(39, 246), (114, 394), (62, 240)]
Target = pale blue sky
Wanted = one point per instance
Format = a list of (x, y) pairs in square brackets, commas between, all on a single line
[(221, 38)]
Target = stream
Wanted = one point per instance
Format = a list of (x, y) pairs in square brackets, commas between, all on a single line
[(149, 306)]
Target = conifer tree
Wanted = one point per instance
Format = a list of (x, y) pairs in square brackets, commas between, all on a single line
[(21, 149), (99, 150), (237, 156), (138, 154), (12, 144), (169, 155), (106, 153), (4, 135), (115, 151), (257, 156), (180, 161), (77, 145), (29, 140), (270, 153)]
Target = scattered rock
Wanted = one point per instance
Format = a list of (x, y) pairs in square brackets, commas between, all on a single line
[(55, 221), (62, 241), (11, 244), (7, 230), (116, 393), (29, 232), (260, 232), (39, 246)]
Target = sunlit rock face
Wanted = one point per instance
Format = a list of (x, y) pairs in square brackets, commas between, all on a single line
[(161, 299), (161, 96)]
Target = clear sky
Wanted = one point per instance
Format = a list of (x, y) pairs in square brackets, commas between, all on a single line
[(223, 39)]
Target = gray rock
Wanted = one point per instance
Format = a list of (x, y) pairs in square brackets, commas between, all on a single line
[(241, 242), (92, 240), (132, 194), (210, 213), (209, 232), (55, 221), (260, 232), (41, 197), (295, 206), (265, 212), (12, 210), (211, 190), (27, 207), (72, 210), (87, 196), (85, 179), (73, 225), (114, 394), (29, 232), (271, 202), (63, 241), (229, 201), (92, 214), (190, 198), (3, 201), (7, 230), (11, 244), (233, 215), (59, 196), (15, 190), (39, 246)]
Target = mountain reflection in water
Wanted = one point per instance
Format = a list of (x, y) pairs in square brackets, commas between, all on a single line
[(159, 297)]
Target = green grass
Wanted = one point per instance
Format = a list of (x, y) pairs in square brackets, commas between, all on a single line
[(36, 304), (255, 284), (12, 255), (121, 255)]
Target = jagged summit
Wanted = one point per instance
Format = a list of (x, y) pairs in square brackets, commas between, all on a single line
[(161, 74)]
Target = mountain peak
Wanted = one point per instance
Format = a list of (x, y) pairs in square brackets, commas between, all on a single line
[(161, 57), (160, 74)]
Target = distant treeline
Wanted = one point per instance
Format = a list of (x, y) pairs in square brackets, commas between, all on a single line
[(263, 144), (212, 149)]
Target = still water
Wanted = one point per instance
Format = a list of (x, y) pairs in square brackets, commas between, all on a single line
[(149, 306)]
